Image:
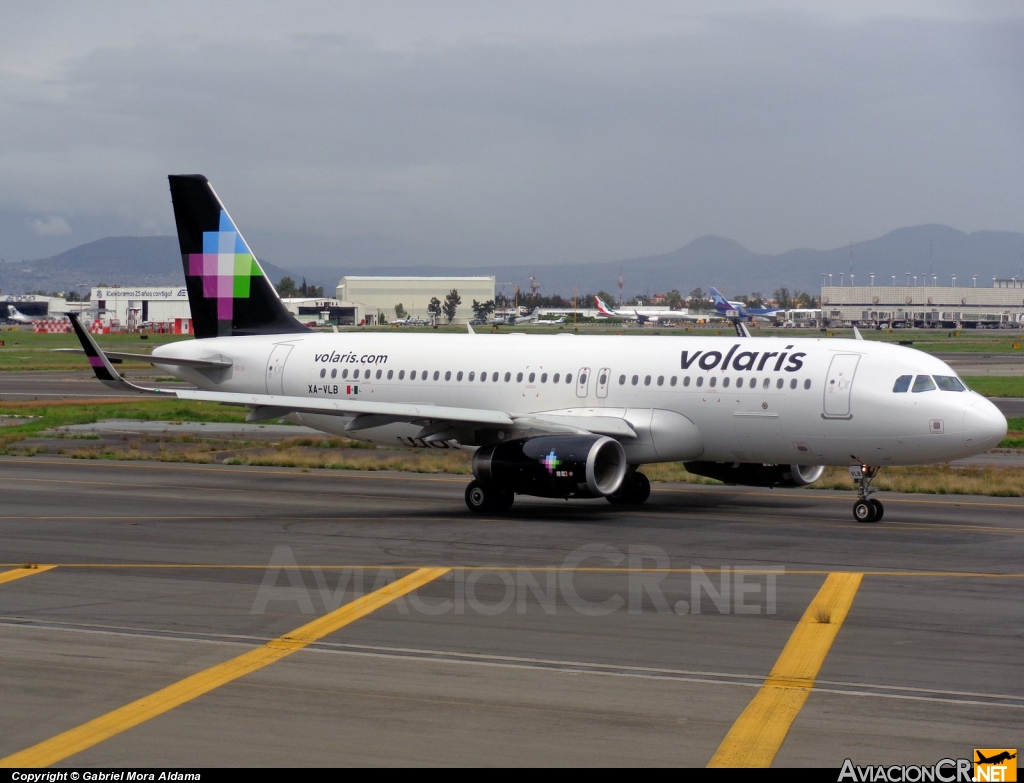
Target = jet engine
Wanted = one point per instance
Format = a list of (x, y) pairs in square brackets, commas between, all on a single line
[(553, 466), (753, 474)]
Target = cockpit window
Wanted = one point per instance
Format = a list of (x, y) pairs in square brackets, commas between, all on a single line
[(902, 384), (950, 383), (923, 383)]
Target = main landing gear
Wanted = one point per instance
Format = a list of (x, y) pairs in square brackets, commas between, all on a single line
[(635, 489), (866, 509), (481, 497)]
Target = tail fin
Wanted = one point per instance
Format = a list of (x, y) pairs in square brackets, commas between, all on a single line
[(602, 308), (227, 290), (718, 298)]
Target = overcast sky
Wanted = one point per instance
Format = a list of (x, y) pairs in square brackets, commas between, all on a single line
[(511, 132)]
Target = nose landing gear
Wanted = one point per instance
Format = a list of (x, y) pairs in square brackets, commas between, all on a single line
[(866, 509)]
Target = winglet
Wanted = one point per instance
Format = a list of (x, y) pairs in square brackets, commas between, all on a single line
[(741, 328), (101, 365), (856, 334), (469, 326)]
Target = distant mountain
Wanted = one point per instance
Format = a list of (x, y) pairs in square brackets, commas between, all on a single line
[(135, 261), (704, 262)]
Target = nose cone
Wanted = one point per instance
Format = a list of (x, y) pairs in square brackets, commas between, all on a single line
[(984, 426)]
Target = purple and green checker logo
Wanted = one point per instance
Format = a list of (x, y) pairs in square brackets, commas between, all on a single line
[(551, 462), (226, 266)]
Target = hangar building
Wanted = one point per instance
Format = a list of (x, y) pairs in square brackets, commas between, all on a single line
[(379, 295), (927, 305)]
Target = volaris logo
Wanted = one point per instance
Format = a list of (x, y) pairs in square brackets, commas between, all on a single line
[(226, 267)]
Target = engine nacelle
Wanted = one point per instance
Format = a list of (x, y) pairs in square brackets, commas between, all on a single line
[(554, 466), (753, 474)]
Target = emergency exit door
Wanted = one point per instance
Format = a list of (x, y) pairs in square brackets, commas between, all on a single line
[(275, 368), (839, 384)]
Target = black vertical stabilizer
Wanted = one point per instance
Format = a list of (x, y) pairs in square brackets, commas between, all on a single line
[(227, 290)]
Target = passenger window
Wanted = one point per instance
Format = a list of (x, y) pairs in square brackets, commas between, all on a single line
[(583, 379), (355, 374), (334, 373), (779, 383), (622, 380), (686, 380), (767, 383), (647, 380), (568, 377), (424, 374), (712, 381), (725, 382), (519, 377), (672, 381), (494, 377), (323, 372), (344, 373), (602, 380), (700, 380), (792, 383), (923, 383), (739, 382), (753, 383), (437, 374), (950, 383), (391, 374), (448, 375), (554, 378), (532, 376), (412, 376), (635, 380), (401, 375), (661, 380), (458, 375), (508, 377), (472, 376), (381, 372), (483, 377), (544, 378), (807, 383), (902, 384)]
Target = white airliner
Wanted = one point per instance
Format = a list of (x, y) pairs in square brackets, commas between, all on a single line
[(654, 316), (561, 415), (18, 317)]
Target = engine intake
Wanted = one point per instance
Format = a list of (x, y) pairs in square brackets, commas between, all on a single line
[(554, 466), (752, 474)]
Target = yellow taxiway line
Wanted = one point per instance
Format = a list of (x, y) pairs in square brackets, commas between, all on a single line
[(123, 718), (759, 732), (22, 571)]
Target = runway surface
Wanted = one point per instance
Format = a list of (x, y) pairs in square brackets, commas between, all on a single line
[(228, 600)]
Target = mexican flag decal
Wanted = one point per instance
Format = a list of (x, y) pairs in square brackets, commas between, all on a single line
[(351, 390)]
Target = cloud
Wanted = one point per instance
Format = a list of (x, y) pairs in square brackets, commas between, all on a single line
[(49, 227)]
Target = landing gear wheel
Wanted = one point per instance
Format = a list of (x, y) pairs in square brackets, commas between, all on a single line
[(863, 511), (481, 497), (879, 509), (635, 489), (641, 488), (866, 509)]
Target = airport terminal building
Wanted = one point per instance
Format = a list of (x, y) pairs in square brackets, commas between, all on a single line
[(945, 307), (379, 295)]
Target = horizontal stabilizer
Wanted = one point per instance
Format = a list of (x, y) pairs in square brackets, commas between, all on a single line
[(116, 357)]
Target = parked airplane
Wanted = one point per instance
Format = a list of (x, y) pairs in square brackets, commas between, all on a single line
[(16, 316), (561, 415), (513, 319), (657, 316), (739, 310)]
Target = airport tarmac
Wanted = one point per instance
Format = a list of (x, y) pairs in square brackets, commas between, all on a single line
[(395, 628)]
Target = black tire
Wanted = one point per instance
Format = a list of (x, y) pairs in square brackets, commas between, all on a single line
[(624, 494), (863, 511), (479, 497), (503, 499), (641, 488), (879, 509)]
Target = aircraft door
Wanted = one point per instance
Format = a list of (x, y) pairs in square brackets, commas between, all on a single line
[(275, 368), (838, 385), (604, 377), (583, 382)]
